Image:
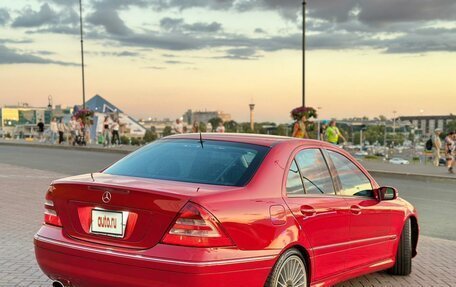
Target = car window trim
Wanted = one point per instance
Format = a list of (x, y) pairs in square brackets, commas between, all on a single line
[(339, 180), (300, 177), (293, 158)]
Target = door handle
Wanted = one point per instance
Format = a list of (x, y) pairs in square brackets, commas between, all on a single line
[(356, 210), (308, 210)]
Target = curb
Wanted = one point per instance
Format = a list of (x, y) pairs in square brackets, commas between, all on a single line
[(417, 176)]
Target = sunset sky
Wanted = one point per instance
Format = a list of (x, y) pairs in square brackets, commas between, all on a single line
[(157, 58)]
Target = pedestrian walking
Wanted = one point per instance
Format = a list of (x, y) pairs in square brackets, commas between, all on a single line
[(73, 130), (107, 132), (54, 130), (195, 127), (61, 129), (300, 128), (220, 128), (209, 127), (436, 145), (333, 134), (115, 132), (324, 125), (450, 150), (179, 126), (40, 126)]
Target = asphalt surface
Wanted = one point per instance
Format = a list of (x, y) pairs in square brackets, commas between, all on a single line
[(434, 199)]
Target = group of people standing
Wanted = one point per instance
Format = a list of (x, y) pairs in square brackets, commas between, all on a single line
[(449, 146), (60, 132), (110, 135), (328, 131)]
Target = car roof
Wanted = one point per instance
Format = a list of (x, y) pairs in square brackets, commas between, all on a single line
[(256, 139)]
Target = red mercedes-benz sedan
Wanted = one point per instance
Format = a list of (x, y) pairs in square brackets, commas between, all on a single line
[(225, 210)]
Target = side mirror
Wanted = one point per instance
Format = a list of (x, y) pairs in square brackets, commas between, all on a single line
[(387, 193)]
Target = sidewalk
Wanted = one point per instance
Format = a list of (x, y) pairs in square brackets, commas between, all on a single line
[(413, 170), (124, 149)]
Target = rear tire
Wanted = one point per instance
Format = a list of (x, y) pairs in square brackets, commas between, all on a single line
[(289, 271), (403, 265)]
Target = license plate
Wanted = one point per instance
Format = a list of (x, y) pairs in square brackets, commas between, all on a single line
[(111, 223)]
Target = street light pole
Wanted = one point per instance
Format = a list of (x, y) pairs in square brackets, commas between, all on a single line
[(82, 56), (394, 122), (304, 53)]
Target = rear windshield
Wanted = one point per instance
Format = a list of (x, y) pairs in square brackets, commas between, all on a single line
[(216, 162)]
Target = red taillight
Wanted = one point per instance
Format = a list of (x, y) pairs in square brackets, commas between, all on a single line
[(50, 214), (196, 227)]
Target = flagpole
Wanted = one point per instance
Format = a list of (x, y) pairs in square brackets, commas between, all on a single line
[(304, 53), (82, 56)]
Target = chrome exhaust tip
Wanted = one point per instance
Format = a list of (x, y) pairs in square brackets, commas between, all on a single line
[(57, 284)]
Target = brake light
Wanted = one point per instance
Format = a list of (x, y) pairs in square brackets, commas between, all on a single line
[(50, 214), (196, 227)]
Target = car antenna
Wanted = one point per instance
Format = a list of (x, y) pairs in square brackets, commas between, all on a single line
[(201, 140)]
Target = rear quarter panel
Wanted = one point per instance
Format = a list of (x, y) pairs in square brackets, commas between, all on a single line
[(245, 213)]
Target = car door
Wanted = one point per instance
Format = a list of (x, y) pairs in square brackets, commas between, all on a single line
[(323, 217), (370, 219)]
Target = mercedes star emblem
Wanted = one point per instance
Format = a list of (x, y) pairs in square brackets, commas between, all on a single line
[(106, 197)]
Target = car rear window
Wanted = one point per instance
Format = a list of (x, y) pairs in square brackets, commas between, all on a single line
[(214, 162)]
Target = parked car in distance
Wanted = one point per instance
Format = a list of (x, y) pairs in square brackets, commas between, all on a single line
[(361, 153), (398, 160), (219, 210)]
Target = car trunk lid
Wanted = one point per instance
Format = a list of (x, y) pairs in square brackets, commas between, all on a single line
[(143, 208)]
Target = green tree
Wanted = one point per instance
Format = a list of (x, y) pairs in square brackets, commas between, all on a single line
[(375, 134), (382, 118), (202, 127), (451, 126), (231, 127), (167, 131), (215, 122), (150, 136), (245, 128)]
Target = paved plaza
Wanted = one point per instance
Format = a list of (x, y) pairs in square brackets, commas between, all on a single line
[(21, 211)]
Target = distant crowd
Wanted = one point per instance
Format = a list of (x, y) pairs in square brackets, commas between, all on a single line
[(448, 145), (328, 131), (76, 132), (180, 128)]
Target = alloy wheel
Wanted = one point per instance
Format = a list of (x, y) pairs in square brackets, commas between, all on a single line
[(292, 273)]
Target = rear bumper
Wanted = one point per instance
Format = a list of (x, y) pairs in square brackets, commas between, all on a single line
[(87, 265)]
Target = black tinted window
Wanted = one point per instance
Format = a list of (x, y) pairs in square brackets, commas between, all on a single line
[(220, 163), (353, 180), (314, 172)]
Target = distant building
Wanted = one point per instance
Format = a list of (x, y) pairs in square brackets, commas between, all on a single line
[(157, 125), (22, 119), (427, 124), (204, 116), (103, 108)]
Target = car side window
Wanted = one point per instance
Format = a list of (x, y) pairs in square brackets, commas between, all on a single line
[(294, 182), (314, 172), (354, 181)]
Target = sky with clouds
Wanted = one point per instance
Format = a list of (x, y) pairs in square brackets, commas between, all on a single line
[(159, 57)]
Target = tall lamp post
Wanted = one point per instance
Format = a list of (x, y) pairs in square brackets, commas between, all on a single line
[(304, 3), (82, 56), (394, 122)]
